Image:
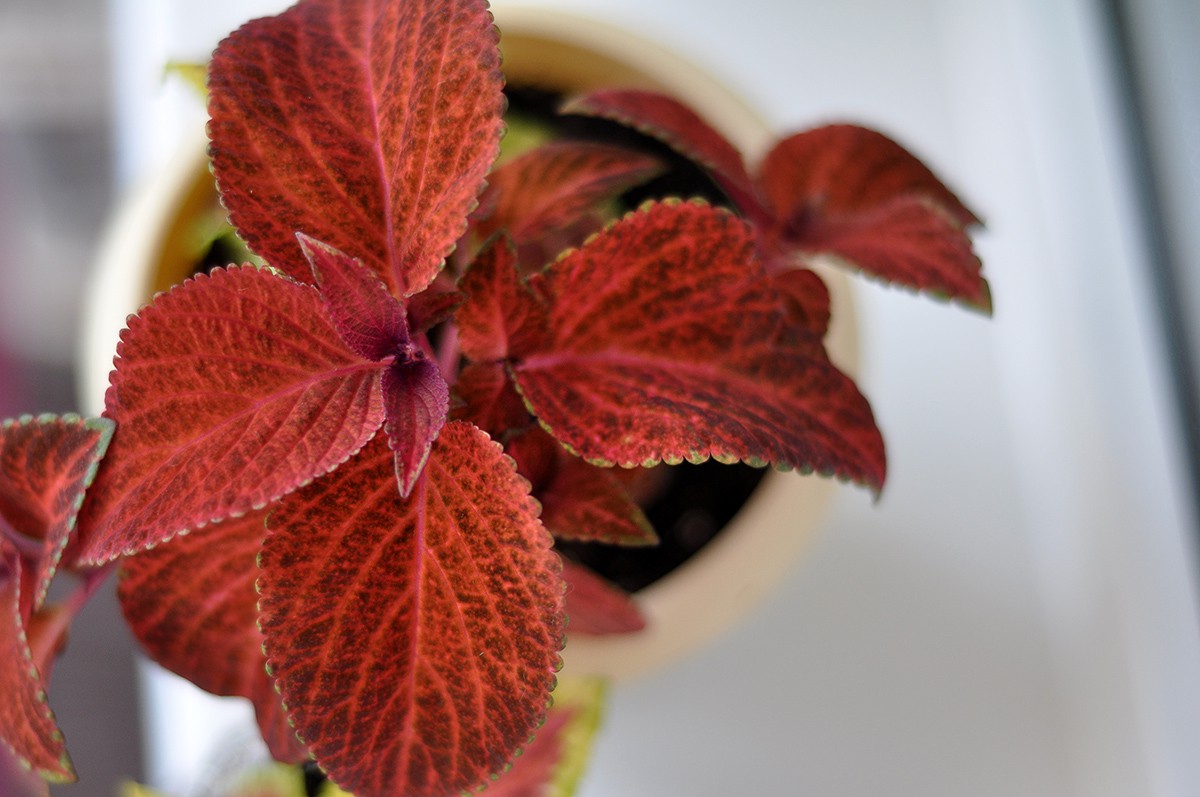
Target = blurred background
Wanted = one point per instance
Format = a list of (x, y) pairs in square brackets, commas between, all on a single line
[(1019, 613)]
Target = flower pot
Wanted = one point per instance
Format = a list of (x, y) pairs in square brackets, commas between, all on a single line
[(147, 250)]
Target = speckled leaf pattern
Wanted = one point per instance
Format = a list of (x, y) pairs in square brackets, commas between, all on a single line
[(229, 391), (554, 185), (414, 641), (46, 463), (27, 724), (192, 605), (380, 151), (674, 349), (554, 761), (675, 124), (596, 607)]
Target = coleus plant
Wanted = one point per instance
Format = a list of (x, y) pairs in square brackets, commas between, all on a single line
[(334, 482)]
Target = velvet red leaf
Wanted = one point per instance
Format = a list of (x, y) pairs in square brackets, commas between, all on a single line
[(487, 398), (229, 391), (908, 241), (416, 400), (46, 463), (380, 152), (192, 605), (579, 501), (553, 186), (369, 319), (670, 121), (27, 724), (844, 169), (501, 316), (597, 608), (414, 641), (667, 344)]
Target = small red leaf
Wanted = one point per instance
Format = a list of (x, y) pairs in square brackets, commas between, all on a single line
[(553, 186), (429, 308), (597, 608), (843, 169), (380, 152), (192, 605), (368, 318), (667, 346), (46, 463), (27, 725), (678, 126), (416, 399), (230, 391), (908, 241), (489, 400), (805, 299), (414, 641), (501, 316), (579, 501)]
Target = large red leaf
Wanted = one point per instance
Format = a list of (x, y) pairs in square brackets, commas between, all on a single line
[(670, 121), (667, 344), (46, 463), (230, 391), (380, 152), (414, 641), (27, 724), (554, 185), (844, 169), (192, 605)]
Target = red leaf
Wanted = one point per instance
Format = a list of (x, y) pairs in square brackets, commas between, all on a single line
[(678, 126), (368, 318), (414, 641), (579, 501), (46, 463), (230, 391), (553, 186), (380, 153), (27, 725), (596, 607), (416, 399), (665, 346), (843, 169), (489, 400), (501, 316), (805, 299), (192, 605), (431, 307), (908, 241)]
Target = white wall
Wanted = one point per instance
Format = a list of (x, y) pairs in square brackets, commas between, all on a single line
[(1017, 615)]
